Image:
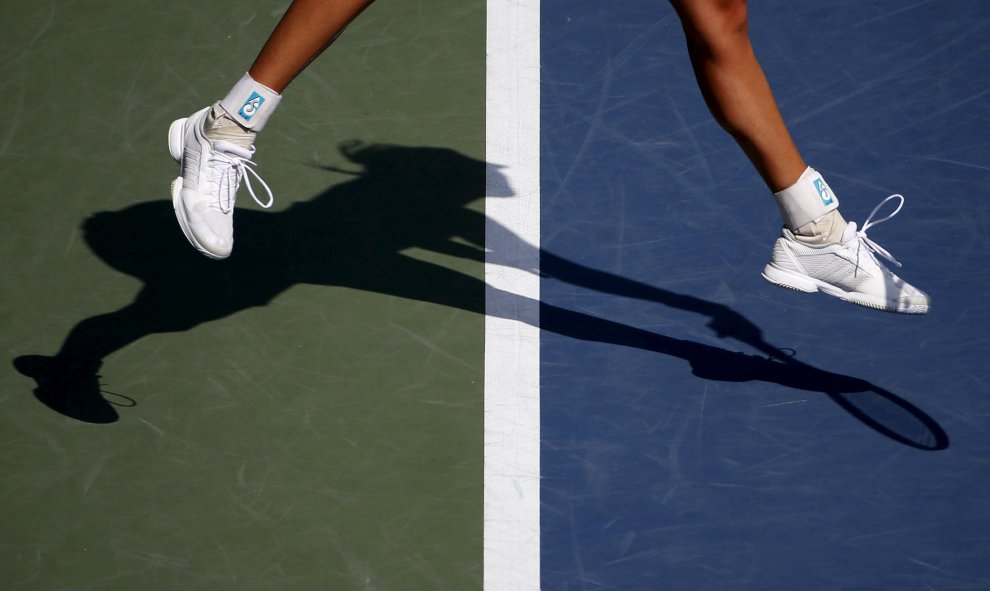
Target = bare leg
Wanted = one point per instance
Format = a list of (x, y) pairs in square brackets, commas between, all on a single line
[(307, 28), (217, 142), (735, 88), (739, 97)]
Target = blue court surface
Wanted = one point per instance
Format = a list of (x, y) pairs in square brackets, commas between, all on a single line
[(703, 429)]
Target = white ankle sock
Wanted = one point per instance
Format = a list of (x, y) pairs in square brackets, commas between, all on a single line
[(810, 209), (250, 103)]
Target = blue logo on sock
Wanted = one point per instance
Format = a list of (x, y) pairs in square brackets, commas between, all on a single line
[(823, 191), (251, 106)]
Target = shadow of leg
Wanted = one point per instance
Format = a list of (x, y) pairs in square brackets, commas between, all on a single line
[(68, 382)]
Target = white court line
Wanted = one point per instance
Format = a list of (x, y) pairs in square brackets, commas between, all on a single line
[(512, 339)]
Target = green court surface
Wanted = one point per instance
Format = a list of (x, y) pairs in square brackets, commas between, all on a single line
[(305, 415)]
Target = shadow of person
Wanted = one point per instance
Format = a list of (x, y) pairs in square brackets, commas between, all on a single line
[(354, 235), (351, 235)]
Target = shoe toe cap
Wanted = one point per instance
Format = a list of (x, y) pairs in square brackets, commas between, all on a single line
[(914, 301), (215, 247), (918, 298), (212, 231)]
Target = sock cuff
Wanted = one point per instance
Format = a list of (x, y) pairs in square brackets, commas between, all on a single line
[(250, 103), (807, 200)]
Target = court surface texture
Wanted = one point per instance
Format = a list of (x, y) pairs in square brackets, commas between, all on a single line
[(504, 327)]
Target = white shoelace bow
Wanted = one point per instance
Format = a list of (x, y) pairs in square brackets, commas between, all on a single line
[(872, 246), (240, 167)]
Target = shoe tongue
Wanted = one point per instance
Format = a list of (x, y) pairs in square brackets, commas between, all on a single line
[(849, 233)]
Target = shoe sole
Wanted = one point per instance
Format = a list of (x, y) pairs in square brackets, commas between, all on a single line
[(176, 146), (803, 283)]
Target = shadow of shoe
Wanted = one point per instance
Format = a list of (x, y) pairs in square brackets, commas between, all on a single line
[(68, 390)]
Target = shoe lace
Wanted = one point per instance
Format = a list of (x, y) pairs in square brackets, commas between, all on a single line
[(231, 164), (872, 247)]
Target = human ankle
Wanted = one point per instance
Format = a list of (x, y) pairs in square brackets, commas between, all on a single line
[(827, 229), (250, 103), (219, 125), (809, 208)]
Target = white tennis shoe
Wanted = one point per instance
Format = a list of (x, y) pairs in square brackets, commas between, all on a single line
[(204, 193), (848, 270)]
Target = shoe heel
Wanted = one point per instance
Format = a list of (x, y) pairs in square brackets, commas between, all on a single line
[(789, 280), (176, 131)]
